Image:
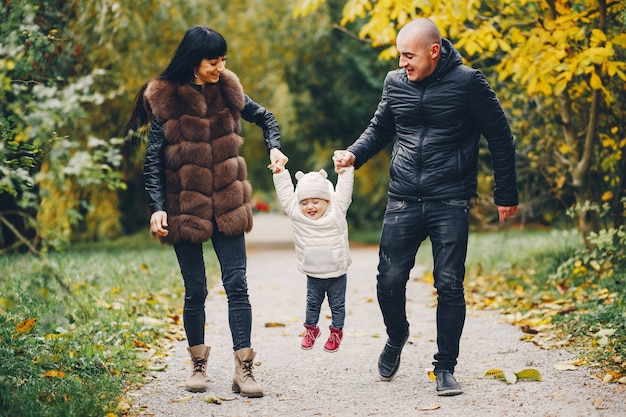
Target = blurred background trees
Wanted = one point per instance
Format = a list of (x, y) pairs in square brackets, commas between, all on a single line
[(69, 71)]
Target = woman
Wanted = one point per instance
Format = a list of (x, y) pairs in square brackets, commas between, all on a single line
[(197, 187)]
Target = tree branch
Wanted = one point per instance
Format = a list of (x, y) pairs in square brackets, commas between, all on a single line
[(20, 237), (350, 34)]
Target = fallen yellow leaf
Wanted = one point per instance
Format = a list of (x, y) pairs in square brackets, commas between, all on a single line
[(140, 344), (565, 366), (429, 407), (607, 378), (273, 324), (54, 374), (496, 373), (529, 374), (212, 400), (26, 325)]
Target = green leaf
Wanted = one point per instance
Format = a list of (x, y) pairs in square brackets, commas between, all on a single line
[(529, 375)]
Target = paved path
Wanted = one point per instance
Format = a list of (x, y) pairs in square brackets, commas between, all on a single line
[(346, 383)]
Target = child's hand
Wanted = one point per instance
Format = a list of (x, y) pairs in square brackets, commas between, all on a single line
[(278, 160), (342, 160), (275, 168)]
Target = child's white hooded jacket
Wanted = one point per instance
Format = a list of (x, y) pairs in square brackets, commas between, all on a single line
[(322, 247)]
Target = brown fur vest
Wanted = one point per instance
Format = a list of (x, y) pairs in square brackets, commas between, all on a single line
[(205, 177)]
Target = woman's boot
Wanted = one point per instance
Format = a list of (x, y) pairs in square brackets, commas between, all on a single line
[(196, 382), (243, 380)]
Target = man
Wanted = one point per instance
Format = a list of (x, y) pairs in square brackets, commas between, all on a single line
[(436, 108)]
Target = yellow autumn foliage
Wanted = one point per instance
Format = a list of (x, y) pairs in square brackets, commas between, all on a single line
[(100, 220)]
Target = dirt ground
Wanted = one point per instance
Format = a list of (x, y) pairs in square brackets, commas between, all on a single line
[(346, 383)]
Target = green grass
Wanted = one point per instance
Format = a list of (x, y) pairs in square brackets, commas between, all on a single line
[(97, 325)]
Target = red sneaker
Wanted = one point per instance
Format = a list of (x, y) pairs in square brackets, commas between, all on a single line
[(312, 333), (334, 339)]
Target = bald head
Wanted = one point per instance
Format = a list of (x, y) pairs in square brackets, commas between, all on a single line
[(423, 31)]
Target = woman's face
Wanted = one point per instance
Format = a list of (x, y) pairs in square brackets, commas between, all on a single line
[(209, 70)]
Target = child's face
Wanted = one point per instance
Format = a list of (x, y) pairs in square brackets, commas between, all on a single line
[(313, 208)]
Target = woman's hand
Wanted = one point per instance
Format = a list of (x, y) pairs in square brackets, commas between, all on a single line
[(278, 160), (158, 224)]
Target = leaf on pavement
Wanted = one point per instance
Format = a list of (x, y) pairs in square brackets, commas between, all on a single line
[(510, 377), (529, 375), (562, 366), (528, 329), (274, 324), (495, 373), (212, 400), (429, 408)]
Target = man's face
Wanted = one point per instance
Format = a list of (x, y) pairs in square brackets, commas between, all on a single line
[(418, 59)]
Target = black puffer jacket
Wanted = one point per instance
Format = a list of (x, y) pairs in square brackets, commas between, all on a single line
[(437, 123)]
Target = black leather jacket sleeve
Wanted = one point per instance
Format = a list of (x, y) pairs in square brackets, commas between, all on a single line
[(254, 113), (154, 167)]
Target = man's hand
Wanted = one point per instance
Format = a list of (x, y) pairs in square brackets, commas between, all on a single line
[(343, 159), (506, 212)]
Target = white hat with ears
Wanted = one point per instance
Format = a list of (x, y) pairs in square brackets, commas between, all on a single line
[(313, 184)]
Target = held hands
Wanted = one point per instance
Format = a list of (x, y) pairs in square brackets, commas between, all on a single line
[(343, 159), (158, 224), (506, 212), (278, 160)]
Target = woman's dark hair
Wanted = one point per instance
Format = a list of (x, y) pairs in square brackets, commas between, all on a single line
[(199, 42)]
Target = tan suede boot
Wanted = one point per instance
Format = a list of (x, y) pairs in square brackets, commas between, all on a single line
[(243, 380), (196, 382)]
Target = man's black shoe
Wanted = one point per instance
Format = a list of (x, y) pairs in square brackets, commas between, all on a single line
[(389, 359), (447, 385)]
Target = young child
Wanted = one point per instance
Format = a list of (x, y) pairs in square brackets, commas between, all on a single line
[(318, 216)]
